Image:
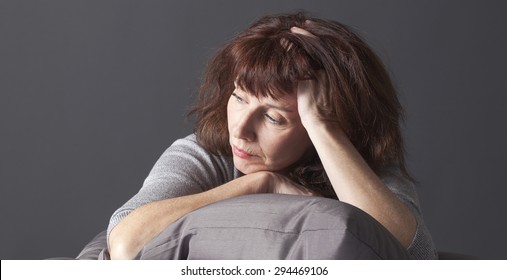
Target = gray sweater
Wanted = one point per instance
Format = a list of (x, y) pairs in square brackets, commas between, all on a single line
[(187, 168)]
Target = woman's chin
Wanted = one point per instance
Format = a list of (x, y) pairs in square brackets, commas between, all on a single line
[(245, 166), (252, 165), (246, 169)]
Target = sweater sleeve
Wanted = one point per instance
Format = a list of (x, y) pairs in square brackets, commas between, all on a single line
[(184, 168), (422, 246)]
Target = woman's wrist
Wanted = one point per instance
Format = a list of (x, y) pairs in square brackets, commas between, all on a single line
[(266, 181), (309, 120), (316, 126), (258, 182)]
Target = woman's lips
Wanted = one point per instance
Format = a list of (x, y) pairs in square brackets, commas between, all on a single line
[(240, 153)]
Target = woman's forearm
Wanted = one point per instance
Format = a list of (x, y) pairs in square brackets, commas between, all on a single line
[(146, 222), (355, 182)]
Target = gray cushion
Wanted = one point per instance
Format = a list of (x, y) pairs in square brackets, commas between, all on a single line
[(274, 226), (94, 248)]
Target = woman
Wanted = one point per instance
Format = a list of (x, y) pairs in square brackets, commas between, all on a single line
[(292, 105)]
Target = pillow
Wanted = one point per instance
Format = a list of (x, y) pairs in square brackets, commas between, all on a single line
[(95, 249), (275, 226)]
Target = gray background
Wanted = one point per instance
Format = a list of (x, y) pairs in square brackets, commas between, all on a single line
[(92, 92)]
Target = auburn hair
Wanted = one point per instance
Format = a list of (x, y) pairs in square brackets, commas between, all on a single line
[(267, 59)]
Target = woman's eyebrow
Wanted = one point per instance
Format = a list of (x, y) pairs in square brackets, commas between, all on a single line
[(279, 107)]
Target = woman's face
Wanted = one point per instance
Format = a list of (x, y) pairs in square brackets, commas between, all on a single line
[(265, 134)]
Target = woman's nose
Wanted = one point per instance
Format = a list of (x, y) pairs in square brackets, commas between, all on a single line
[(245, 127)]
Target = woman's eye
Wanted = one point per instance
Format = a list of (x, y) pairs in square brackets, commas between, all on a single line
[(272, 120), (238, 98)]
